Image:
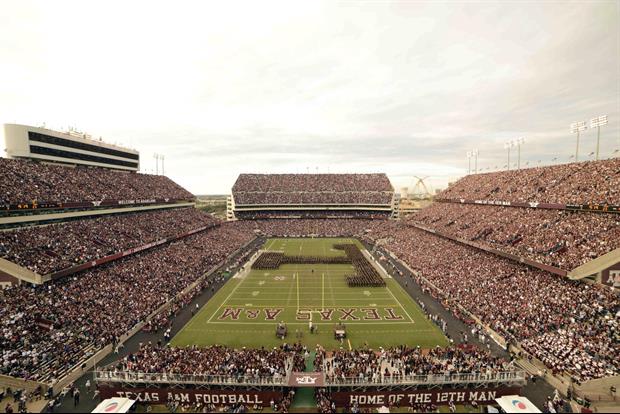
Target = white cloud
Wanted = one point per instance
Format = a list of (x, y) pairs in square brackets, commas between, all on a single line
[(229, 87)]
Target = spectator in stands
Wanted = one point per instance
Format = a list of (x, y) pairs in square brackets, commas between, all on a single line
[(25, 181)]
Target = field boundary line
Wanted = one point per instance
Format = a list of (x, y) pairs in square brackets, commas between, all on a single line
[(317, 306), (290, 291), (400, 304), (323, 291), (297, 278), (225, 300), (369, 323)]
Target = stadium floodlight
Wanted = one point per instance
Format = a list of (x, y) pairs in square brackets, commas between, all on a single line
[(514, 143), (578, 127), (472, 154), (159, 157), (508, 145), (597, 123), (468, 162), (156, 156), (518, 142)]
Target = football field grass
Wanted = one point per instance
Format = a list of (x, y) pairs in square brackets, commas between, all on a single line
[(246, 311)]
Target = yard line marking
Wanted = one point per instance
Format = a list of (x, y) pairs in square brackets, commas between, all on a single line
[(331, 323), (323, 291), (225, 300), (329, 274), (290, 291), (297, 293), (400, 304), (350, 347)]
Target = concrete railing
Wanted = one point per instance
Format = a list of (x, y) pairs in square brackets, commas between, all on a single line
[(515, 377), (102, 376), (20, 384)]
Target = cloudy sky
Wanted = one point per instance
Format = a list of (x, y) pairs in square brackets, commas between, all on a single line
[(405, 88)]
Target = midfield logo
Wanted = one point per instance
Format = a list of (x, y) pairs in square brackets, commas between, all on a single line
[(305, 380)]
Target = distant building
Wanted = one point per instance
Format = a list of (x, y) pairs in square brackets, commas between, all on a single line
[(22, 141), (404, 192)]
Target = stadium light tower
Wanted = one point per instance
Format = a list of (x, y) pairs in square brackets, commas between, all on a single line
[(156, 156), (162, 165), (508, 145), (577, 127), (597, 123), (474, 154), (468, 162), (518, 143)]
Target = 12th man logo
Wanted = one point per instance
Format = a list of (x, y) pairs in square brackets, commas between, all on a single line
[(304, 314)]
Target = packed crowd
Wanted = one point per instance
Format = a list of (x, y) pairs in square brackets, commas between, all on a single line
[(312, 189), (374, 366), (311, 182), (580, 348), (47, 249), (48, 329), (520, 303), (214, 360), (577, 183), (312, 214), (25, 181), (558, 238), (314, 198), (309, 227), (164, 319)]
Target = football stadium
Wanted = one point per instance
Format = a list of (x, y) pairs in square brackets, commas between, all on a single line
[(323, 290)]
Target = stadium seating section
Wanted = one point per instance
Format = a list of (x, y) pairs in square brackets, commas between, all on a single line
[(520, 303), (50, 329), (307, 189), (558, 238), (25, 181), (576, 183), (573, 327), (374, 365), (47, 249)]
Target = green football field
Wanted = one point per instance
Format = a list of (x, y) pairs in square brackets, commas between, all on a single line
[(246, 311)]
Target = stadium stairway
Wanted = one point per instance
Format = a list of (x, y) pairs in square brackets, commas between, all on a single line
[(304, 397)]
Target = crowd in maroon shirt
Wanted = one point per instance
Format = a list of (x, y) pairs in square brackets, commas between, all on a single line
[(374, 366), (25, 181), (214, 360), (559, 238), (47, 249), (554, 317), (312, 189), (96, 307), (576, 183)]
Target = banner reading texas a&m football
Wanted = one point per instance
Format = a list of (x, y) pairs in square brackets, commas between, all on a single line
[(192, 395)]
